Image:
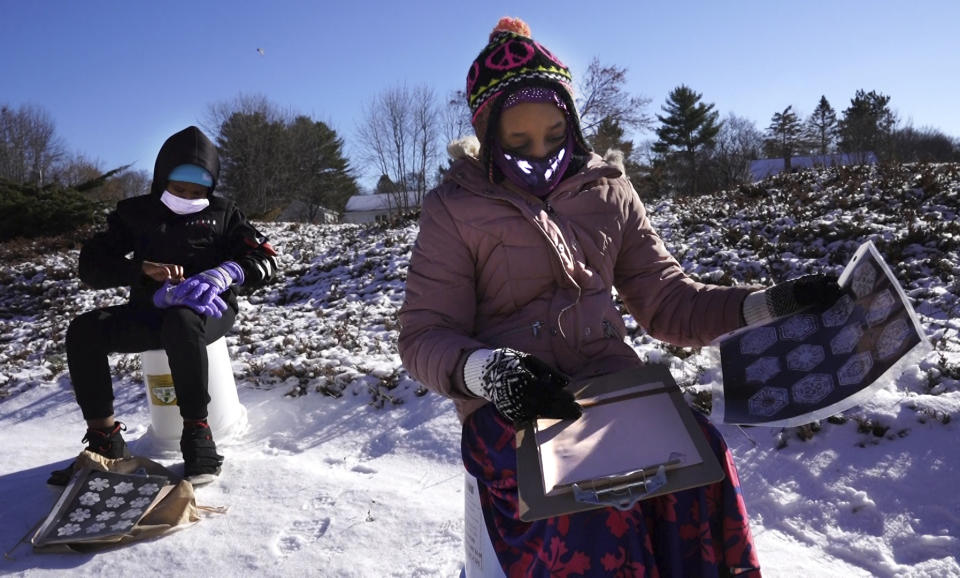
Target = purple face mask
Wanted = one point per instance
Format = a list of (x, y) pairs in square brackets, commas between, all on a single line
[(534, 175)]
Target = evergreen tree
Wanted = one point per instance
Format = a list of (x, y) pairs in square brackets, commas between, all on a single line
[(784, 135), (867, 124), (822, 127), (251, 161), (385, 185), (608, 135), (688, 127), (317, 174)]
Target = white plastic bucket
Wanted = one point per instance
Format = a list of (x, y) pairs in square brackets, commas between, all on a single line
[(480, 559), (226, 416)]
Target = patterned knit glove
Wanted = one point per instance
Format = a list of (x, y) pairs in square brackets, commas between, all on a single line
[(521, 386), (791, 296)]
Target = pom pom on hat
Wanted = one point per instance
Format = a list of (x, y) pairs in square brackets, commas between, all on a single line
[(509, 24)]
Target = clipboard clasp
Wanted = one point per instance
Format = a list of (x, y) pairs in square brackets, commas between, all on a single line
[(622, 496)]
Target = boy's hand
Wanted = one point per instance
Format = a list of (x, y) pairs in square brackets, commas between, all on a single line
[(204, 303), (162, 271)]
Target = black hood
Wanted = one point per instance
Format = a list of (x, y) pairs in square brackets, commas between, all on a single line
[(189, 146)]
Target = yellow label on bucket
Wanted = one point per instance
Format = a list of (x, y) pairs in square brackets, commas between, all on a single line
[(161, 390)]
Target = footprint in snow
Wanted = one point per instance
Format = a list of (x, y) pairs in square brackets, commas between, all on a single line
[(301, 534)]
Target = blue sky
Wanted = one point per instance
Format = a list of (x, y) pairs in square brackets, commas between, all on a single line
[(117, 77)]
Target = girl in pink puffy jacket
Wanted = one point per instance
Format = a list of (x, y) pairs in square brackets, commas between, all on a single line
[(509, 298)]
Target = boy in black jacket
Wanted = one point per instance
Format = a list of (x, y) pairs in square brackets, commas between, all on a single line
[(182, 251)]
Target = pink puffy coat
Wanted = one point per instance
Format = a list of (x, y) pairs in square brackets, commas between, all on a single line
[(495, 267)]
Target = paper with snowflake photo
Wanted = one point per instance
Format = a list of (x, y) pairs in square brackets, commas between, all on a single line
[(100, 507), (109, 502), (819, 362)]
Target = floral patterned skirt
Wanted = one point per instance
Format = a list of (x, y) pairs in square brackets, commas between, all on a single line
[(698, 532)]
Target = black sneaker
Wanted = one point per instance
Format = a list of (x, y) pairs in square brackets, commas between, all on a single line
[(108, 442), (201, 462)]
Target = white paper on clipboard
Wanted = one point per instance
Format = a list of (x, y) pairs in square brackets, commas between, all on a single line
[(633, 432)]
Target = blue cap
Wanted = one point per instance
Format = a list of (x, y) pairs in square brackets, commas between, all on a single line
[(191, 174)]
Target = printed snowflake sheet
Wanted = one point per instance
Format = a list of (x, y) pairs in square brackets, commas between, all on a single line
[(99, 507), (819, 362)]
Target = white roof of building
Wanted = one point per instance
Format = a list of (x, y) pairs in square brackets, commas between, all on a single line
[(379, 201)]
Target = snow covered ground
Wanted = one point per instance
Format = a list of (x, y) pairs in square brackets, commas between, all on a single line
[(349, 468)]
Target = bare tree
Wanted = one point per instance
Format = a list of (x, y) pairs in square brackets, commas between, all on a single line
[(455, 117), (29, 145), (398, 136), (603, 96), (738, 142)]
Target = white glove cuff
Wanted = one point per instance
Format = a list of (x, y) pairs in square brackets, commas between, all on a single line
[(756, 309), (473, 371)]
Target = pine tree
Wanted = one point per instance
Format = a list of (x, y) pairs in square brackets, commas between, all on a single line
[(318, 173), (608, 135), (822, 127), (867, 124), (784, 135), (687, 128)]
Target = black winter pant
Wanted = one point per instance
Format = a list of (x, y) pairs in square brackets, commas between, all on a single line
[(183, 333)]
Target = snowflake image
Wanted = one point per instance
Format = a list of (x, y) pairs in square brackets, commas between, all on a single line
[(104, 516), (98, 484), (881, 307), (798, 327), (892, 338), (147, 489), (115, 502), (839, 313), (140, 502), (812, 388), (89, 498), (768, 401), (763, 369), (846, 340), (758, 340), (131, 513), (855, 369), (79, 515), (864, 278), (122, 525), (123, 488), (95, 527), (68, 529), (805, 357)]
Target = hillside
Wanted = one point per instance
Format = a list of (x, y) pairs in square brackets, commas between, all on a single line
[(868, 492)]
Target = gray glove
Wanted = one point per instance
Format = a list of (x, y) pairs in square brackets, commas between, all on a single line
[(791, 296), (521, 386)]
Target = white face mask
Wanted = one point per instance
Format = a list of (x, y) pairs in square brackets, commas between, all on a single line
[(183, 206)]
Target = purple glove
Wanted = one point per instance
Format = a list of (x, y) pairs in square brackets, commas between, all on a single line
[(204, 286), (203, 302), (223, 276)]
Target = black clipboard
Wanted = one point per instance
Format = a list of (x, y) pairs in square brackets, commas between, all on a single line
[(635, 481)]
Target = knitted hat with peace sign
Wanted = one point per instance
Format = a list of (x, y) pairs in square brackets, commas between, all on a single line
[(513, 60)]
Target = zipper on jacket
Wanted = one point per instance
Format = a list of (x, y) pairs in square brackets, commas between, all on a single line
[(548, 207), (536, 328)]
